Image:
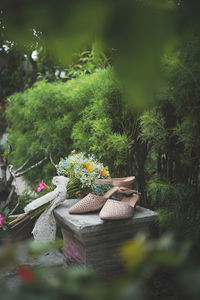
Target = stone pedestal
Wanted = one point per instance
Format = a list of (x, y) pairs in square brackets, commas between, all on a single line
[(90, 241)]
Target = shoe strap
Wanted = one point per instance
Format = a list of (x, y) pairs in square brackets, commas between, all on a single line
[(109, 193), (116, 181), (128, 192), (103, 181)]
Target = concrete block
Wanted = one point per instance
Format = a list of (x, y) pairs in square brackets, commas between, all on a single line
[(90, 241)]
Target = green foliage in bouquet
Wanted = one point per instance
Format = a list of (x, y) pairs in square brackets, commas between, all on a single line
[(82, 171)]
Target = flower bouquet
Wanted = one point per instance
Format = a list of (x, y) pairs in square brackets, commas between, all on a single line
[(17, 223), (83, 171)]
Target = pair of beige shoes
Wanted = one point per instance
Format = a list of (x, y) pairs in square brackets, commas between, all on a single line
[(110, 209)]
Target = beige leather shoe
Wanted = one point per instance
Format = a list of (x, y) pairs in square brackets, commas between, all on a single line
[(121, 182), (91, 202), (117, 210)]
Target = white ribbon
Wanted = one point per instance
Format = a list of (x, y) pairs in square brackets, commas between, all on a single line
[(45, 226)]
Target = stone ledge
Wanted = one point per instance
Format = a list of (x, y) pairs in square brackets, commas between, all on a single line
[(90, 222)]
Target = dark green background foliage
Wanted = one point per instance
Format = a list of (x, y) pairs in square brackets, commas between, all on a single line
[(171, 131), (12, 77)]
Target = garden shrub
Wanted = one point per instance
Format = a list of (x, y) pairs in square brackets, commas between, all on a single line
[(58, 117)]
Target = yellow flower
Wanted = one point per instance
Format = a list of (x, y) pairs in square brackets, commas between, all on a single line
[(133, 252), (105, 173), (89, 168)]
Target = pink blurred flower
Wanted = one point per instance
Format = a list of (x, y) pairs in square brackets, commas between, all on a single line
[(1, 220), (26, 274), (41, 186)]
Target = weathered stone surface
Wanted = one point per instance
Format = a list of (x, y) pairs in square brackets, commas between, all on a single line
[(94, 242)]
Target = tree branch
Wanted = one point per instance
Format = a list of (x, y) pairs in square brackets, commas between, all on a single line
[(27, 161), (32, 167), (51, 160), (9, 197), (12, 175), (18, 201)]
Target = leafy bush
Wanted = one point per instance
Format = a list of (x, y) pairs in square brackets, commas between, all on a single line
[(56, 117), (153, 129)]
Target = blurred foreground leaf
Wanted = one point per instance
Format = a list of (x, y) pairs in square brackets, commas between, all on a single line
[(138, 31)]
